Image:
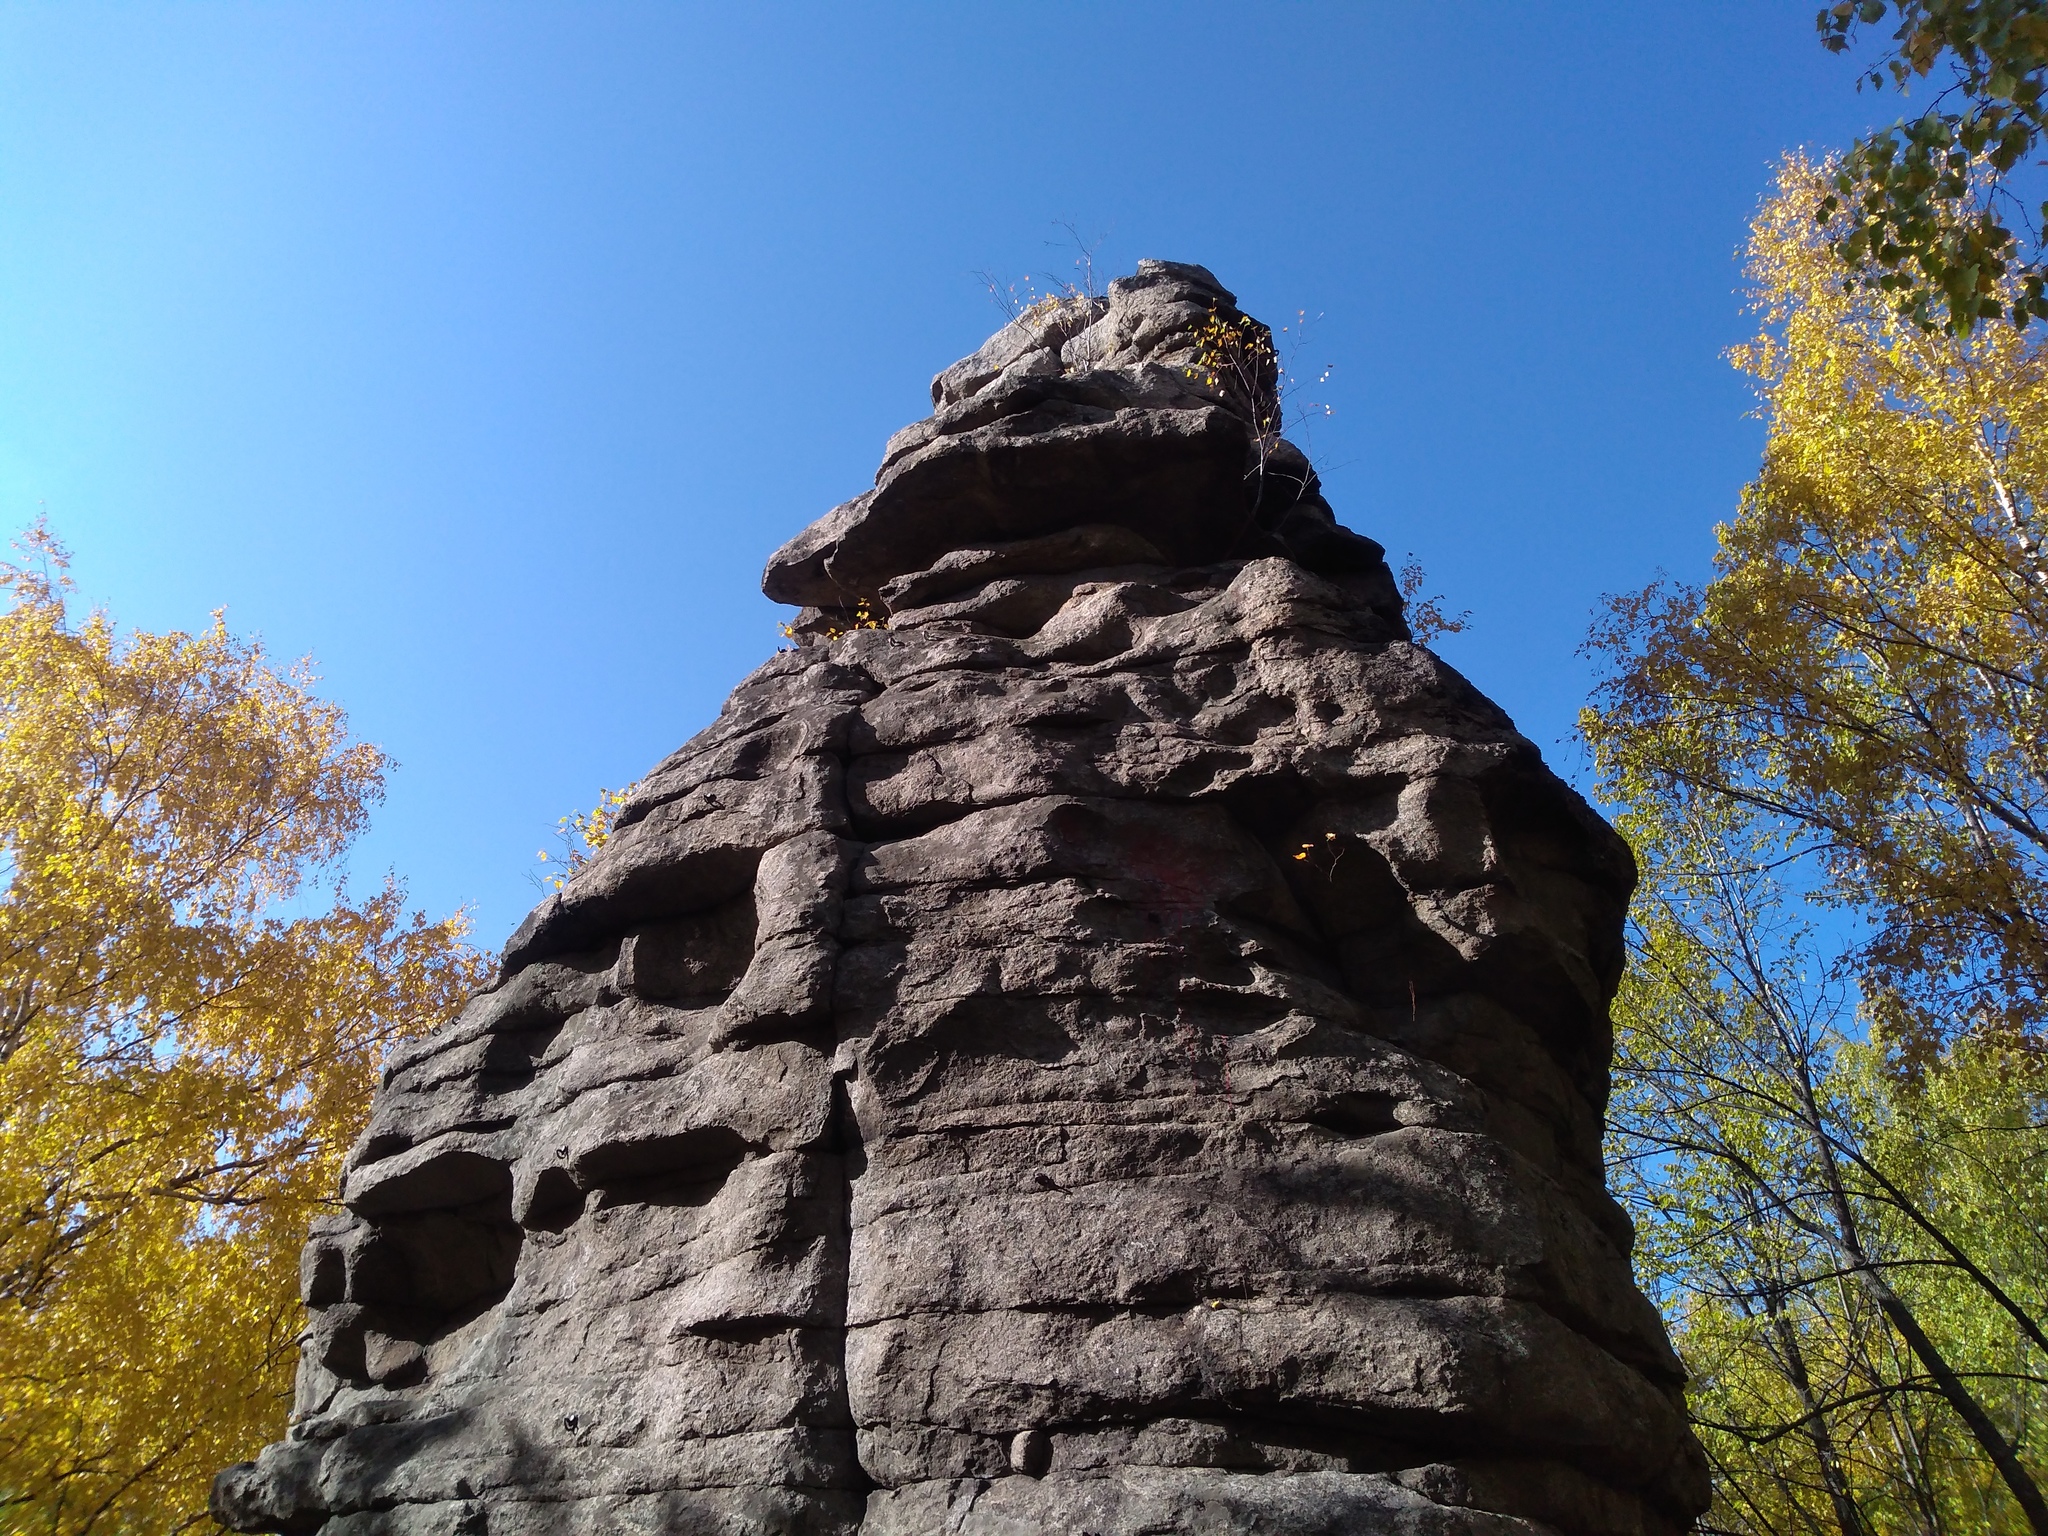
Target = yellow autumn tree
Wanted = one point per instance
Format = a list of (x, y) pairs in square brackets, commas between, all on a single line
[(1832, 760), (193, 1007), (1870, 661)]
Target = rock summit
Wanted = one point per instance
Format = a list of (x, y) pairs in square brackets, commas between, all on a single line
[(1105, 1035)]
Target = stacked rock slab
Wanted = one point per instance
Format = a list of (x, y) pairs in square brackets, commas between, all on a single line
[(1119, 1050)]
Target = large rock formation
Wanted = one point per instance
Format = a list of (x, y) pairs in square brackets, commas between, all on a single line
[(1119, 1050)]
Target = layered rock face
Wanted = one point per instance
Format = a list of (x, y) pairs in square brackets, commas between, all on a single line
[(1119, 1050)]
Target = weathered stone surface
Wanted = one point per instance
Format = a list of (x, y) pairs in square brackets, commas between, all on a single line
[(1119, 1050)]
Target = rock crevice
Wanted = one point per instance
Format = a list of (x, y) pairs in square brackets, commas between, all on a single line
[(1119, 1049)]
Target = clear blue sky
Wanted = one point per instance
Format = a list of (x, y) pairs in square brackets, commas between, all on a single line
[(483, 352)]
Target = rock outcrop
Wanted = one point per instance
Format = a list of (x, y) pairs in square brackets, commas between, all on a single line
[(1119, 1050)]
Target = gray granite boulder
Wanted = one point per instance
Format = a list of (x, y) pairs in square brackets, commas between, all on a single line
[(1119, 1050)]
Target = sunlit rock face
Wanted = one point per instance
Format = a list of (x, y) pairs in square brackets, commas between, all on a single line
[(1119, 1050)]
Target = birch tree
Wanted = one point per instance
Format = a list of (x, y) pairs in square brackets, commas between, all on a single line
[(1830, 759), (192, 1009)]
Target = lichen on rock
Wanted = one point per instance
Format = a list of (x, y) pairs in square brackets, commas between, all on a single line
[(1120, 1049)]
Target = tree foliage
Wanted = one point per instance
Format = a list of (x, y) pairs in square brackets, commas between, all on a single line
[(182, 1062), (1870, 661), (1832, 1113), (1922, 210), (1854, 1259)]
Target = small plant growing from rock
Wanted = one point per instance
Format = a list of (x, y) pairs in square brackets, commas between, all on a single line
[(867, 614), (1243, 361), (1044, 304), (1321, 856), (1038, 303), (582, 833), (1426, 616)]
